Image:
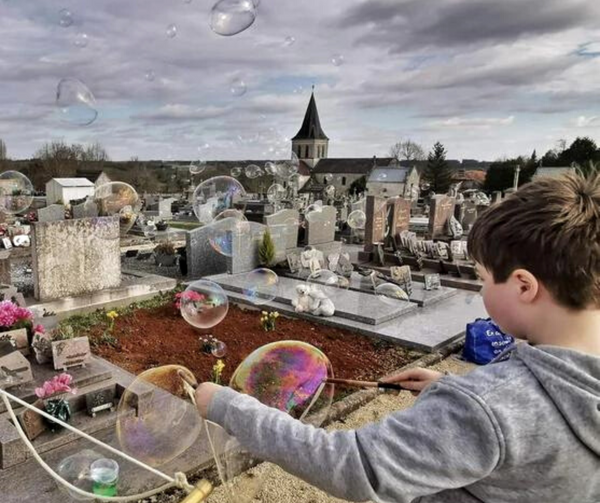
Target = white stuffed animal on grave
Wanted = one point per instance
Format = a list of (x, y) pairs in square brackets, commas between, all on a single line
[(312, 300)]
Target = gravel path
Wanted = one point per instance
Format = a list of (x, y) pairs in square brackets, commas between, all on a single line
[(280, 487)]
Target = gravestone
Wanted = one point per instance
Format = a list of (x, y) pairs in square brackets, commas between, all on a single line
[(458, 250), (164, 208), (441, 209), (293, 260), (245, 243), (52, 213), (361, 205), (376, 225), (73, 257), (496, 196), (15, 370), (470, 215), (288, 221), (202, 259), (320, 228), (84, 210), (400, 215), (32, 423), (402, 277), (432, 282)]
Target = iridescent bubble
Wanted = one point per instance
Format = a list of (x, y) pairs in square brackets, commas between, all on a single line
[(390, 293), (114, 199), (337, 59), (289, 376), (75, 469), (270, 168), (216, 195), (81, 40), (224, 232), (236, 172), (276, 192), (197, 167), (171, 31), (289, 41), (219, 349), (313, 212), (167, 425), (230, 17), (329, 191), (75, 102), (237, 214), (16, 192), (150, 75), (65, 18), (261, 286), (204, 304), (237, 87), (286, 169), (253, 171), (357, 219)]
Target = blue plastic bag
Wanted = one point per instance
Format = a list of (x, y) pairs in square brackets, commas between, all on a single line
[(485, 341)]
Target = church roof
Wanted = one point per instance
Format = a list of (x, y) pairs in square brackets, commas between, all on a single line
[(311, 126), (350, 166)]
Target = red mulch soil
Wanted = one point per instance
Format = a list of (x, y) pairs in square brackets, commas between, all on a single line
[(150, 338)]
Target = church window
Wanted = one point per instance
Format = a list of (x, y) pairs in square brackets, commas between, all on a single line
[(343, 180)]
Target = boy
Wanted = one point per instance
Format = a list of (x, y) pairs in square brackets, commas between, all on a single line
[(525, 430)]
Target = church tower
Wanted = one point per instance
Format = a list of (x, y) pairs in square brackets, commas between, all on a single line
[(311, 144)]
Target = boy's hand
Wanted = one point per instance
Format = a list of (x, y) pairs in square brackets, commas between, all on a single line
[(204, 395), (415, 379)]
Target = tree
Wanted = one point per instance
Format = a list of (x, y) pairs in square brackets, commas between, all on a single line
[(501, 174), (266, 250), (437, 172), (358, 186), (581, 152), (407, 150), (58, 159)]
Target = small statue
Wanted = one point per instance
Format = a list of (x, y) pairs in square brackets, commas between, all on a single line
[(455, 229), (312, 300)]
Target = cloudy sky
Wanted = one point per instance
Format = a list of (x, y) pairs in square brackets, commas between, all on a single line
[(487, 78)]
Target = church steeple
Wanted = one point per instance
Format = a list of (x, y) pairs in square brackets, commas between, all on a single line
[(311, 143)]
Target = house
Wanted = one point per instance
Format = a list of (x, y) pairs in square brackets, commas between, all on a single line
[(65, 190), (473, 179), (553, 172), (392, 181)]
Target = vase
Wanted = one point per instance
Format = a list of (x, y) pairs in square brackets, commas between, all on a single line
[(58, 408)]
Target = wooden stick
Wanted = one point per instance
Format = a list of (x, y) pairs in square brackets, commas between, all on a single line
[(365, 384)]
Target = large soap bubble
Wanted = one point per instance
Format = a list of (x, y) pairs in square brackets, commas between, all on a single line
[(197, 167), (16, 192), (216, 195), (230, 17), (357, 219), (236, 172), (115, 199), (276, 192), (155, 421), (65, 18), (271, 168), (390, 293), (287, 169), (261, 286), (224, 232), (238, 215), (75, 469), (204, 304), (75, 102), (253, 171)]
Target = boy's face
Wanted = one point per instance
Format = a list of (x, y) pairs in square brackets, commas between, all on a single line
[(501, 303)]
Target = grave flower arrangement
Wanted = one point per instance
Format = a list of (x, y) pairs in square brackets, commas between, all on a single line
[(268, 321), (14, 317), (57, 407), (188, 297)]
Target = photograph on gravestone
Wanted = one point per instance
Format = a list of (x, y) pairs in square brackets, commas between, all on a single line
[(443, 250), (432, 282)]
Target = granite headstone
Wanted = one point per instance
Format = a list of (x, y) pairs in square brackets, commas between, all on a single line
[(52, 213), (441, 209), (320, 227), (376, 225)]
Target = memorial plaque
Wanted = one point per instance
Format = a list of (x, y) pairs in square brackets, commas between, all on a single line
[(470, 215), (71, 353), (293, 260), (32, 423), (403, 278), (15, 370), (100, 400), (375, 228), (442, 207), (19, 338), (457, 250), (432, 282)]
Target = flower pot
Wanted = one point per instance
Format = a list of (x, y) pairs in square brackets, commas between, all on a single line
[(58, 408)]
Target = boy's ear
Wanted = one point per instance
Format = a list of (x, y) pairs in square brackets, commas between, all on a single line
[(526, 283)]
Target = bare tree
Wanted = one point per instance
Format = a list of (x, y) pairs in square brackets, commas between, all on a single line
[(58, 159), (407, 150), (95, 153)]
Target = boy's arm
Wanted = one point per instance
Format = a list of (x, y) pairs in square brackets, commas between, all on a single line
[(449, 439)]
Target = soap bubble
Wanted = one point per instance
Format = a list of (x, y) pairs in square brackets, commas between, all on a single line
[(261, 286), (16, 192), (150, 75), (149, 231), (330, 191), (328, 278), (237, 87), (237, 214), (204, 304), (65, 18), (276, 193), (337, 59), (223, 232), (171, 31), (236, 172), (114, 199), (230, 17), (197, 167), (270, 168), (76, 103), (219, 349), (313, 212), (357, 219), (289, 376), (288, 169), (81, 40), (289, 41), (390, 293), (75, 469), (166, 425), (253, 171), (216, 195)]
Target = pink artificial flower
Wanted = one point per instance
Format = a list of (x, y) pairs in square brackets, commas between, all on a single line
[(39, 329), (58, 384)]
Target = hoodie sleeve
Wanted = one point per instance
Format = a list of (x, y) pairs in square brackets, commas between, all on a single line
[(449, 439)]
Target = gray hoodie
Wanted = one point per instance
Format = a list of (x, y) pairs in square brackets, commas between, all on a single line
[(525, 430)]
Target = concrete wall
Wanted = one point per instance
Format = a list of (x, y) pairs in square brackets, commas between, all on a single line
[(72, 258), (337, 181)]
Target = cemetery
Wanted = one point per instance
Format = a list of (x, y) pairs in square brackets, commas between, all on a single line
[(133, 292)]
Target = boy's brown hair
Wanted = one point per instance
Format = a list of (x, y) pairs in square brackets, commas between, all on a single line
[(550, 227)]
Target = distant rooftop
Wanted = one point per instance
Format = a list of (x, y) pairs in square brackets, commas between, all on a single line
[(74, 182), (389, 175), (350, 166), (553, 172)]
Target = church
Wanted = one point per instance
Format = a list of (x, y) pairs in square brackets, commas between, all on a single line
[(384, 176)]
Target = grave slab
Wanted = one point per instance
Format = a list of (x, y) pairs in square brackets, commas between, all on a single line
[(349, 304)]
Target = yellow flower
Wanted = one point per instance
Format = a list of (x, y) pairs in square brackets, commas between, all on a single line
[(219, 366), (275, 314), (112, 315), (264, 313)]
